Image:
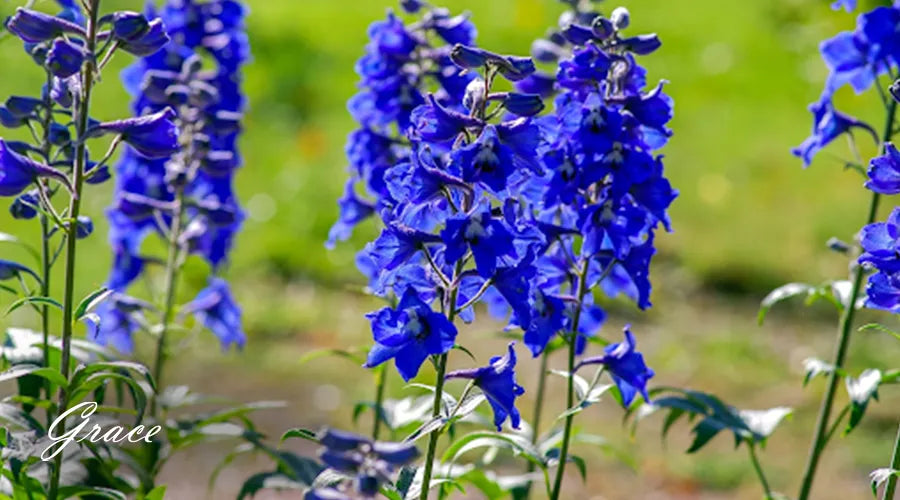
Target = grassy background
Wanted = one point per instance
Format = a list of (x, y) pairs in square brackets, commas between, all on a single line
[(749, 218)]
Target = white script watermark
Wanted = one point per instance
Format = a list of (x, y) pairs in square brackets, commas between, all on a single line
[(111, 434)]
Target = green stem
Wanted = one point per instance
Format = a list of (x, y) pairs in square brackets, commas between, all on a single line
[(759, 471), (433, 438), (538, 410), (173, 265), (84, 108), (46, 256), (570, 389), (891, 485), (843, 341), (379, 400), (439, 387)]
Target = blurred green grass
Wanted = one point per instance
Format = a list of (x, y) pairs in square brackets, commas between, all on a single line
[(749, 218)]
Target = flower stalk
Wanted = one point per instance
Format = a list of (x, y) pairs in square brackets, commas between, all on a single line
[(82, 120), (570, 383), (845, 327)]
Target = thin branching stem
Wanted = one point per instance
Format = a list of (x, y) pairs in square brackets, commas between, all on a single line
[(82, 118), (845, 327)]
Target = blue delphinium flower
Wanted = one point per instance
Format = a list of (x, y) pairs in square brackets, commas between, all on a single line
[(18, 171), (400, 63), (216, 309), (152, 136), (497, 382), (409, 333), (884, 172), (197, 101), (881, 251), (626, 366), (369, 463), (828, 125), (856, 58)]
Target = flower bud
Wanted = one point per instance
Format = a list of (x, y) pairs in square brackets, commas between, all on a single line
[(411, 6), (129, 26), (516, 68), (10, 120), (337, 440), (155, 84), (152, 136), (367, 485), (84, 227), (22, 107), (523, 104), (25, 205), (642, 44), (620, 18), (538, 83), (577, 34), (546, 51), (64, 58), (468, 57), (348, 462), (895, 90), (35, 27), (59, 134), (602, 28), (150, 42), (474, 95), (396, 454)]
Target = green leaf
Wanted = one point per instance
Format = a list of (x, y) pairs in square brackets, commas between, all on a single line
[(8, 238), (50, 374), (158, 493), (861, 390), (880, 328), (715, 416), (880, 476), (90, 302), (80, 491), (299, 433), (32, 300), (580, 464), (268, 480), (519, 444), (780, 294), (762, 423), (321, 353), (815, 367), (86, 371)]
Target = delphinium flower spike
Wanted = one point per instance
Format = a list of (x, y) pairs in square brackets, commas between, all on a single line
[(859, 59), (185, 196), (72, 49)]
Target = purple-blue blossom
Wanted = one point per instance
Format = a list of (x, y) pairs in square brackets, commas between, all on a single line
[(497, 382)]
